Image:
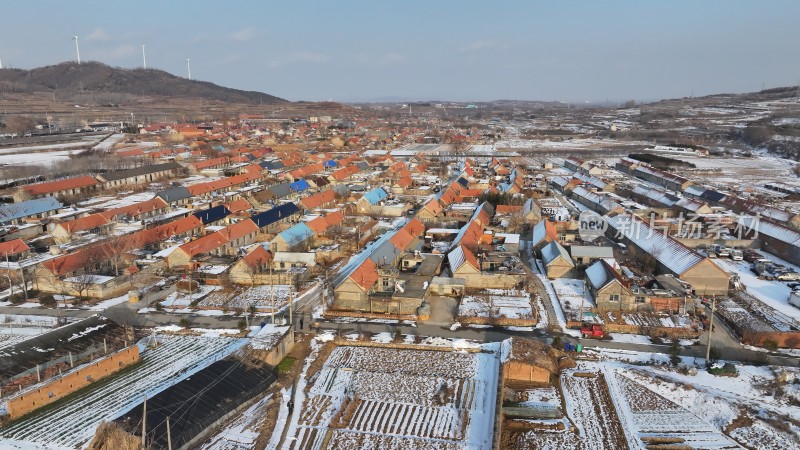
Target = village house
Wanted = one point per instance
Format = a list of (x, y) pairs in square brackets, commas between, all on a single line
[(583, 255), (139, 175), (14, 250), (225, 242), (557, 262), (297, 237), (253, 267), (37, 209), (61, 189), (670, 255)]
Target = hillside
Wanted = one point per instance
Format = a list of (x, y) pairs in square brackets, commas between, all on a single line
[(94, 77)]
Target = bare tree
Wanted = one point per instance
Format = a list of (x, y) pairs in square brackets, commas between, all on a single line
[(83, 283)]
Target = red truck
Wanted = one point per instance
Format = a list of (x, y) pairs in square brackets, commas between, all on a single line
[(593, 330)]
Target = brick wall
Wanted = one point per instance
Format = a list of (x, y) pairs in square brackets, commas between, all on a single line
[(71, 382)]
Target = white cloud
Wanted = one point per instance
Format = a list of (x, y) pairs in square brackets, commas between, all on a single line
[(300, 57), (115, 53), (478, 46), (244, 34), (393, 58), (386, 59), (98, 34)]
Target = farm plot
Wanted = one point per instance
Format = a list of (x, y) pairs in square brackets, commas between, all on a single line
[(497, 305), (591, 411), (744, 407), (654, 419), (71, 423), (365, 397), (258, 296)]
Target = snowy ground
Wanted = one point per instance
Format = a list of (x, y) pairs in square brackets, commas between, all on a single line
[(242, 432), (71, 423), (181, 299), (556, 305), (390, 398), (655, 404), (497, 304), (773, 293)]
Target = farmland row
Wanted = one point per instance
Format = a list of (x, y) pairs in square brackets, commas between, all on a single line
[(72, 422)]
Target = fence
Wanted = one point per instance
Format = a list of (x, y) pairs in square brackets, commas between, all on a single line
[(40, 371)]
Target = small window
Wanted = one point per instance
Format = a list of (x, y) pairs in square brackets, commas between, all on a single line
[(639, 299), (613, 298)]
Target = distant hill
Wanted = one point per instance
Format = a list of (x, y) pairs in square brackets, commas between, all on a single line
[(95, 77)]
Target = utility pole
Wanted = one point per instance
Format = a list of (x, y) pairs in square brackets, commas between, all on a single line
[(169, 436), (291, 301), (8, 275), (710, 330), (272, 293), (144, 420)]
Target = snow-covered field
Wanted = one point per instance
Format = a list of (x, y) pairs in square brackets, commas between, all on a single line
[(242, 432), (260, 296), (71, 423), (391, 398), (572, 295), (497, 304), (634, 406), (181, 299)]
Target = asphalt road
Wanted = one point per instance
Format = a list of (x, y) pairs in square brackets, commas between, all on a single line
[(126, 313)]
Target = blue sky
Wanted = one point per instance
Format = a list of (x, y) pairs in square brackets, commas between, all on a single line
[(449, 50)]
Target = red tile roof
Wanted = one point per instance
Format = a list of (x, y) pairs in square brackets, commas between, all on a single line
[(508, 209), (51, 187), (13, 247), (239, 205), (366, 275), (209, 163), (135, 209), (318, 199), (258, 257), (89, 222)]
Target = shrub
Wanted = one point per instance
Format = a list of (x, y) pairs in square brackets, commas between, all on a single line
[(242, 324), (47, 300), (556, 342), (674, 352), (770, 345), (17, 299), (184, 322), (285, 365)]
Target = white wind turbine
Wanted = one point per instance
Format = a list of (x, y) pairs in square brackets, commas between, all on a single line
[(77, 49), (189, 67), (144, 58)]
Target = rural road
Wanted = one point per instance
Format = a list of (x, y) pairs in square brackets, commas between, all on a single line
[(126, 313)]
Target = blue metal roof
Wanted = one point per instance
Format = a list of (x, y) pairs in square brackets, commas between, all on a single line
[(13, 211), (275, 214), (330, 163), (375, 195), (462, 181), (299, 185), (212, 214), (296, 234)]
